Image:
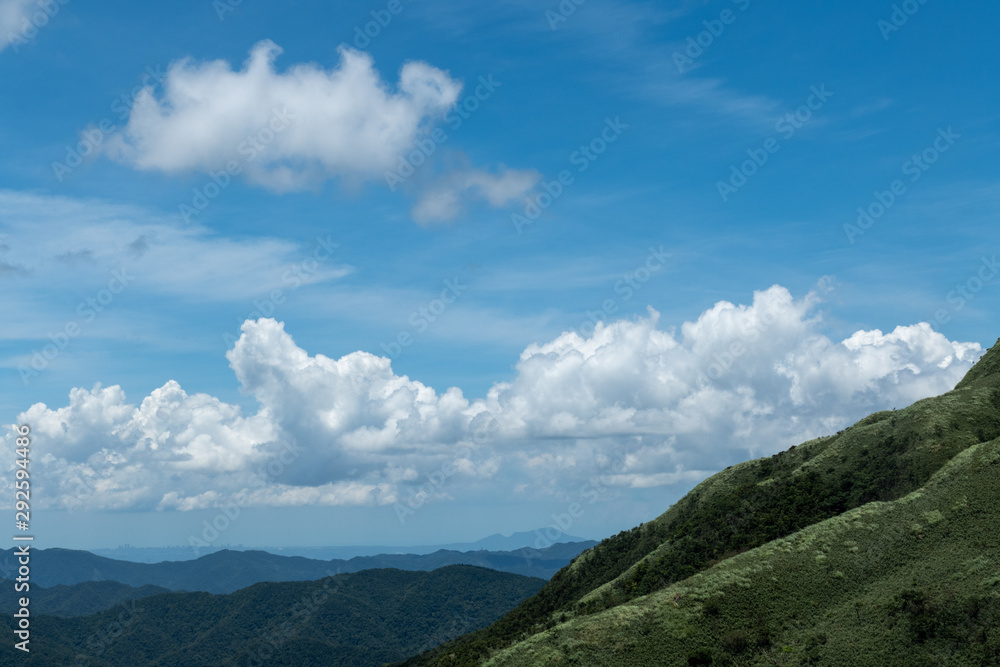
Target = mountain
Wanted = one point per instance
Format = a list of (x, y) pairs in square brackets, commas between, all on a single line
[(227, 571), (363, 618), (80, 599), (529, 562), (532, 539), (874, 546)]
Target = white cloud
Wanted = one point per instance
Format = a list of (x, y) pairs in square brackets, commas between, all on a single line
[(444, 201), (45, 233), (13, 16), (293, 130), (288, 130), (653, 407), (352, 408)]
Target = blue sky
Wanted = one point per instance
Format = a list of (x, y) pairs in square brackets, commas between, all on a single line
[(645, 111)]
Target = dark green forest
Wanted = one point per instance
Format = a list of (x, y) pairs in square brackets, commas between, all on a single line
[(365, 618), (226, 571), (78, 600)]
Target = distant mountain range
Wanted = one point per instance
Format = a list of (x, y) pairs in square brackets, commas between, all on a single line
[(878, 545), (536, 539), (228, 571), (350, 620), (80, 599)]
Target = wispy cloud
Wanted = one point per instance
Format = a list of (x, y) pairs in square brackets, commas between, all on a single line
[(62, 241), (624, 40)]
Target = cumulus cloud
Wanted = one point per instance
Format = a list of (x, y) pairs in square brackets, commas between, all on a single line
[(642, 405), (289, 129), (293, 130)]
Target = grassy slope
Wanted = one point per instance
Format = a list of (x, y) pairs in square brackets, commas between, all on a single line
[(914, 581), (882, 458)]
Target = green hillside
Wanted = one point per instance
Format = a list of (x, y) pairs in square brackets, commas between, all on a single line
[(365, 618), (915, 581), (81, 599), (695, 585)]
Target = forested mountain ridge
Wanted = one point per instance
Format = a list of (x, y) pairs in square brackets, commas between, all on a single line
[(227, 571), (629, 600), (348, 620), (81, 599)]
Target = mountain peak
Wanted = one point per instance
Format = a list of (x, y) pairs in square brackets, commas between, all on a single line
[(986, 370)]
